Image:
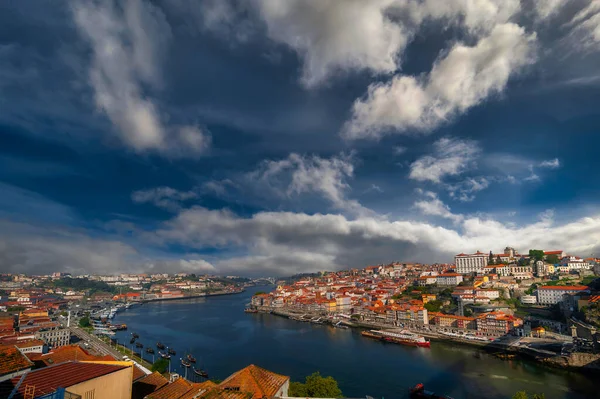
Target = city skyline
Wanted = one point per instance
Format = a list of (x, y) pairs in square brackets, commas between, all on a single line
[(264, 138)]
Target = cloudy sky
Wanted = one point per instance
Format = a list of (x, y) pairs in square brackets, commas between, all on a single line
[(269, 137)]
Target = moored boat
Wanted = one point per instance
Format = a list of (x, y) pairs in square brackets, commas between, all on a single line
[(164, 355), (201, 373), (250, 310), (135, 335), (191, 358), (419, 392), (150, 350), (139, 345), (402, 337), (171, 351), (185, 363), (132, 340), (160, 346)]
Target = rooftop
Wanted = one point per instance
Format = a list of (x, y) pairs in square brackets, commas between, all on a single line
[(12, 360), (48, 379), (256, 380)]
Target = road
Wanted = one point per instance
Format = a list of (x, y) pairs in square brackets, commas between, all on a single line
[(95, 343)]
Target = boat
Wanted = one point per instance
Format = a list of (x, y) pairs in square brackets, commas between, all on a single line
[(418, 391), (132, 340), (191, 358), (249, 310), (403, 337), (185, 363), (139, 345), (340, 325), (135, 335), (160, 346), (150, 350), (201, 373), (171, 351), (164, 355)]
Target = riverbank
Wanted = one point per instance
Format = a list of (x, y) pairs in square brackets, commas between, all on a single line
[(201, 295), (506, 347)]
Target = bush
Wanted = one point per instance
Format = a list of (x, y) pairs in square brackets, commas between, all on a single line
[(160, 365), (84, 322), (316, 386)]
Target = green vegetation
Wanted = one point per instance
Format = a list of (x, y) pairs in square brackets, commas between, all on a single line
[(216, 380), (84, 284), (15, 308), (433, 306), (588, 280), (259, 293), (524, 395), (84, 322), (536, 254), (161, 365), (553, 259), (316, 386)]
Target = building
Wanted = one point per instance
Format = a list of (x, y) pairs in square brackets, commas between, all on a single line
[(251, 382), (553, 294), (54, 337), (30, 346), (496, 324), (450, 279), (528, 299), (89, 380), (559, 254), (471, 263), (12, 363), (453, 321)]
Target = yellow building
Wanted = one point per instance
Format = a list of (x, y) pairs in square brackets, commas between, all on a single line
[(428, 298), (550, 268)]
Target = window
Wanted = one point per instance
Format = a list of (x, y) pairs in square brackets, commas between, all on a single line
[(90, 394)]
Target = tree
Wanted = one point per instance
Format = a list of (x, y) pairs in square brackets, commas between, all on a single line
[(433, 306), (160, 365), (316, 386), (536, 254), (84, 322), (520, 395), (259, 293), (491, 260), (552, 259)]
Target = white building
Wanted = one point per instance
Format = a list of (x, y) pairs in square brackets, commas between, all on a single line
[(471, 263), (552, 294), (449, 279), (528, 299)]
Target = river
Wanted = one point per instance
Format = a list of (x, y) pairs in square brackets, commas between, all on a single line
[(224, 339)]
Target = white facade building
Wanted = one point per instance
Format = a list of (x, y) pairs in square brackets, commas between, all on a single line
[(471, 263), (551, 295), (449, 279), (528, 299)]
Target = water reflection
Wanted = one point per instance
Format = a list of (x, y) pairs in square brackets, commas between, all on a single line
[(224, 339)]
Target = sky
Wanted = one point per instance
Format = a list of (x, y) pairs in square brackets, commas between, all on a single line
[(273, 137)]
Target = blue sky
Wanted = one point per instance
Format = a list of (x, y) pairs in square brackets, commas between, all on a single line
[(271, 137)]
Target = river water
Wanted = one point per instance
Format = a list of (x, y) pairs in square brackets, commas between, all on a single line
[(224, 339)]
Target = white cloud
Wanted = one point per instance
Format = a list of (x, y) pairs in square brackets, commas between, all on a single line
[(451, 157), (333, 36), (433, 206), (551, 164), (163, 197), (128, 40), (465, 190), (547, 8), (285, 242), (399, 150), (461, 79), (586, 27), (296, 175)]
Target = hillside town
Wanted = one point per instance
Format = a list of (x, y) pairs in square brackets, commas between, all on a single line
[(52, 325), (480, 297)]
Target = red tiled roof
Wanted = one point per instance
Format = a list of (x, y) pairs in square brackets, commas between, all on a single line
[(173, 390), (12, 360), (29, 343), (64, 375), (256, 380), (198, 388), (553, 252), (147, 385), (66, 353)]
